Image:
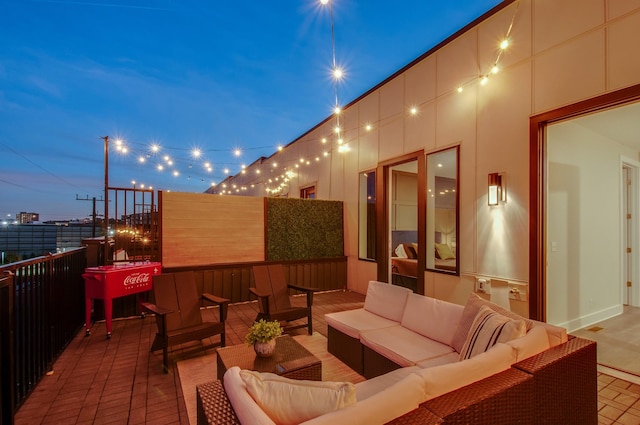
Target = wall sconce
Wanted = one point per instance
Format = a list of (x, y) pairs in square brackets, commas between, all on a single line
[(497, 190)]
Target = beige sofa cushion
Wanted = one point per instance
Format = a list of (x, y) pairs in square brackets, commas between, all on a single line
[(290, 402), (556, 334), (403, 346), (435, 319), (452, 357), (380, 408), (439, 380), (469, 314), (353, 322), (386, 300), (247, 410), (533, 342), (373, 386)]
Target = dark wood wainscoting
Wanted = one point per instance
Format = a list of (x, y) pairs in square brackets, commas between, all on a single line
[(233, 281)]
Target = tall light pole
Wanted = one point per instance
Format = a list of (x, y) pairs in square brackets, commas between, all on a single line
[(106, 198)]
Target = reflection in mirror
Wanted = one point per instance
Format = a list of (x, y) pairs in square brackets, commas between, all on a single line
[(403, 224), (442, 211)]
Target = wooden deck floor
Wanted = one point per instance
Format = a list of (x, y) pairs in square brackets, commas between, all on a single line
[(118, 381)]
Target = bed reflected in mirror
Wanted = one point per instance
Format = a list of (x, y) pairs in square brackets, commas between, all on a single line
[(442, 211)]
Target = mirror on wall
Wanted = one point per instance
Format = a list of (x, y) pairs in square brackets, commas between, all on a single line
[(367, 216), (442, 211)]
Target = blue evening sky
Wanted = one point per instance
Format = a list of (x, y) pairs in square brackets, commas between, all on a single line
[(208, 74)]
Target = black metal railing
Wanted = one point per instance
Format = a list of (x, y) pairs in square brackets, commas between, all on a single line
[(42, 300)]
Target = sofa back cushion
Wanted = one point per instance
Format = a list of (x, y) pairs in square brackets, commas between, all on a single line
[(556, 334), (386, 300), (388, 404), (290, 401), (439, 380), (435, 319), (470, 312), (487, 330), (535, 341)]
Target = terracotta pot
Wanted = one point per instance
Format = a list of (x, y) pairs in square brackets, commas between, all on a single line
[(264, 349)]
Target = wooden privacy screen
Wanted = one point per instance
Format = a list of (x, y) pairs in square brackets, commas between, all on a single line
[(200, 229)]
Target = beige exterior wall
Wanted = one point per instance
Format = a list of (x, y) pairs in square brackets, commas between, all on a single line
[(561, 52)]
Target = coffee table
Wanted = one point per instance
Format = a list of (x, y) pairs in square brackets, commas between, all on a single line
[(290, 359)]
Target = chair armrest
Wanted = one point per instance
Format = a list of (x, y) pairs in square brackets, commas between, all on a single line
[(303, 288), (259, 294), (155, 309), (214, 299), (263, 299), (308, 291), (222, 302)]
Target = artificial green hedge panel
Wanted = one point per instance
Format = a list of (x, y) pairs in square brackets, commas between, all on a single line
[(300, 229)]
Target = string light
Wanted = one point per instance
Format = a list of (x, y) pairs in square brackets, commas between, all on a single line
[(341, 145), (503, 45)]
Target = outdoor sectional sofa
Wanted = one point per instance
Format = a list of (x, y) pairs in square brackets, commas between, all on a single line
[(408, 346)]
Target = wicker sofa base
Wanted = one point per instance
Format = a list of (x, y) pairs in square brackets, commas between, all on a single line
[(557, 386), (213, 406), (376, 364), (501, 399), (566, 386), (349, 350)]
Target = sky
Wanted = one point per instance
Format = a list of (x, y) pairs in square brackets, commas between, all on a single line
[(232, 79)]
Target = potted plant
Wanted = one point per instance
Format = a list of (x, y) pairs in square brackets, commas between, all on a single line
[(262, 335)]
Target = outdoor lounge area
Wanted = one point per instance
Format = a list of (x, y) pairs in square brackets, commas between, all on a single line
[(449, 180), (117, 380)]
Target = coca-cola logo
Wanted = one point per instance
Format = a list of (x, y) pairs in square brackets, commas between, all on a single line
[(137, 278)]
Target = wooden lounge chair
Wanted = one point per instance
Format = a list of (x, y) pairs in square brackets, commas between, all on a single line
[(272, 291), (177, 311)]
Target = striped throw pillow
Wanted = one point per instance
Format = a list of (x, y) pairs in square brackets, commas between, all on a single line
[(488, 329)]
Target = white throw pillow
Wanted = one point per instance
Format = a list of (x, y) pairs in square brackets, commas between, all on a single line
[(291, 401), (489, 328), (246, 408), (400, 252)]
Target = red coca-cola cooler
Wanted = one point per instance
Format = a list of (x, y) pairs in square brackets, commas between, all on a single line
[(114, 281)]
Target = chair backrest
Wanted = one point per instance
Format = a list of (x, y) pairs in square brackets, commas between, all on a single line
[(177, 292), (271, 279)]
